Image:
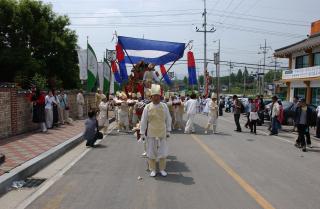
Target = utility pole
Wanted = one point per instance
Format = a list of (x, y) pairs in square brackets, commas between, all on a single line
[(217, 63), (274, 75), (244, 81), (264, 49), (230, 71), (205, 31)]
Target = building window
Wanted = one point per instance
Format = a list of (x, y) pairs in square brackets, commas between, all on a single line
[(300, 93), (315, 96), (302, 61), (317, 59)]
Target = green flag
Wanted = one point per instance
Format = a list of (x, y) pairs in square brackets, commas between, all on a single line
[(92, 68)]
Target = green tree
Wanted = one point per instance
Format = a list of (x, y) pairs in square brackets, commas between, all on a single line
[(272, 75), (33, 39), (185, 81), (239, 78)]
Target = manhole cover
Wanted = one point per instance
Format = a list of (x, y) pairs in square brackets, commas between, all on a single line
[(32, 182)]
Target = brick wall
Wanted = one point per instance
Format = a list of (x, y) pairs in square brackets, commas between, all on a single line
[(16, 112), (5, 112)]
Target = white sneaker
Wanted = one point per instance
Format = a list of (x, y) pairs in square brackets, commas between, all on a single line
[(163, 173), (310, 146), (153, 174), (144, 154), (205, 132)]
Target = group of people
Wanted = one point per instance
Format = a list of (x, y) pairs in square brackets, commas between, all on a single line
[(49, 110)]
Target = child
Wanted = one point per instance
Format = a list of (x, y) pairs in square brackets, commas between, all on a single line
[(91, 129)]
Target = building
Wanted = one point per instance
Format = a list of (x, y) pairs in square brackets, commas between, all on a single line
[(302, 79)]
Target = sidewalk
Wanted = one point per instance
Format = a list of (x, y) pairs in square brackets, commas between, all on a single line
[(19, 149)]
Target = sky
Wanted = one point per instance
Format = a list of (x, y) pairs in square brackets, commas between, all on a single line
[(242, 26)]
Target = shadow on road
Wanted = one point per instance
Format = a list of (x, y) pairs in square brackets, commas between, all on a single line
[(177, 178)]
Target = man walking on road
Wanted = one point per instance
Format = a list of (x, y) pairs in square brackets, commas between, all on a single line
[(155, 129), (236, 112), (303, 119), (191, 110), (213, 114)]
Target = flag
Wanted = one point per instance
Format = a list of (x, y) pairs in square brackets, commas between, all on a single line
[(106, 78), (121, 61), (150, 51), (165, 75), (82, 57), (100, 75), (192, 69), (92, 68), (116, 72)]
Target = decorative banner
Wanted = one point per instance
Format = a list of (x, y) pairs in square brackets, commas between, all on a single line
[(116, 72), (121, 61), (192, 69), (82, 57), (100, 75), (150, 51), (301, 73), (106, 78), (92, 68), (165, 75)]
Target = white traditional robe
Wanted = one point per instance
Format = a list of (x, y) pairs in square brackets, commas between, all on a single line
[(157, 119), (191, 110), (103, 120)]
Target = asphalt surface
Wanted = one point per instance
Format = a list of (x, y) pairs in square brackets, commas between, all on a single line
[(229, 170)]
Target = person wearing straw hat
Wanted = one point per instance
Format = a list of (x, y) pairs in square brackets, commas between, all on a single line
[(103, 120), (155, 129), (213, 114), (123, 113), (98, 97)]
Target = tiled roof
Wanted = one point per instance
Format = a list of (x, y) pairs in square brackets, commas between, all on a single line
[(309, 43)]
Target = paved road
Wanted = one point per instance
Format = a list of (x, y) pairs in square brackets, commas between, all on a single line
[(225, 171)]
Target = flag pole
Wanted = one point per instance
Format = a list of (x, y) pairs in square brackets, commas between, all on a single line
[(176, 59), (87, 61)]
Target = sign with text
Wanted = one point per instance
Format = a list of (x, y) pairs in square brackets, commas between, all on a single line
[(309, 72)]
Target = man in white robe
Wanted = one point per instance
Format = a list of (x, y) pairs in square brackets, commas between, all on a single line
[(80, 104), (191, 110), (213, 114), (156, 127), (103, 120)]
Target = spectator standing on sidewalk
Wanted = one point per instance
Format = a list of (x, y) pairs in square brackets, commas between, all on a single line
[(303, 120), (38, 109), (80, 104), (236, 112), (318, 122), (55, 108), (64, 107), (49, 99), (274, 116)]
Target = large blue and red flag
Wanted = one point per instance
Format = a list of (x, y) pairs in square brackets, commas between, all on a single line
[(192, 69), (115, 71), (165, 75), (150, 51), (121, 61)]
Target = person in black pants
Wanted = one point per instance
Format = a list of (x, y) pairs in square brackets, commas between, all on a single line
[(91, 128), (303, 119), (236, 112), (318, 122)]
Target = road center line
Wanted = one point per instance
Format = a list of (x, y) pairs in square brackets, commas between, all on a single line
[(246, 186)]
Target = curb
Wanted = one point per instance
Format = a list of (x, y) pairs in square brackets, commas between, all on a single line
[(36, 164)]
